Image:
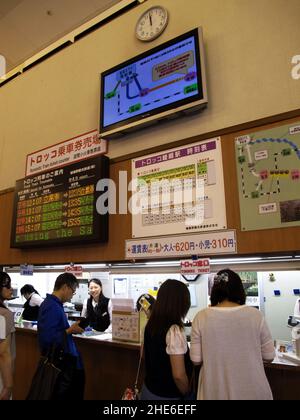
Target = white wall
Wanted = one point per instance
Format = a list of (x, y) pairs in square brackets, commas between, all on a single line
[(42, 282), (249, 47), (278, 309), (147, 283)]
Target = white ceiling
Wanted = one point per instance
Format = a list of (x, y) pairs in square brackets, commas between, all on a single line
[(28, 26)]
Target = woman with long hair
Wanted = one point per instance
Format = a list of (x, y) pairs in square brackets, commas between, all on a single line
[(165, 346), (231, 341), (7, 339)]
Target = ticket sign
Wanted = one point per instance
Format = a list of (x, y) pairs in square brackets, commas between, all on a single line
[(85, 146), (201, 266), (76, 270), (59, 206)]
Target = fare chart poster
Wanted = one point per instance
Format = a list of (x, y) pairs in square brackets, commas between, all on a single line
[(179, 191), (268, 170), (59, 206)]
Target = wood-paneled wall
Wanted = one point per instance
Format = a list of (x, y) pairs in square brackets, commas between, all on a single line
[(119, 230), (283, 240)]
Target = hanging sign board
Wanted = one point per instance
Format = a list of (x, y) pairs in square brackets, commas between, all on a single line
[(78, 148), (179, 191), (77, 270), (59, 206), (26, 270), (201, 266), (211, 243)]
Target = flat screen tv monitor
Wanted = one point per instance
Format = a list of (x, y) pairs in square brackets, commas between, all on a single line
[(165, 82)]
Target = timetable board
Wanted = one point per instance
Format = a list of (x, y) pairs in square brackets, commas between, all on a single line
[(59, 206), (179, 191)]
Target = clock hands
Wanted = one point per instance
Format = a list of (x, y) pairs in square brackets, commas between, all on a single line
[(150, 18)]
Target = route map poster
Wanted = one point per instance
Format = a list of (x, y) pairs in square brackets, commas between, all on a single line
[(268, 169), (180, 190), (59, 206)]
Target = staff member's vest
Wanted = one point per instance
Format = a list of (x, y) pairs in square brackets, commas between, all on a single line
[(98, 317), (30, 313)]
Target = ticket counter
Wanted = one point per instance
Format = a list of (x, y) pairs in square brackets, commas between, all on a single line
[(111, 366)]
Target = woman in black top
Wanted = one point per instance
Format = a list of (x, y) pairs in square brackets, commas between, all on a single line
[(97, 308), (167, 362), (32, 304)]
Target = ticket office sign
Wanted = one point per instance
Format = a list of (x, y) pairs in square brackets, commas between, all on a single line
[(201, 266), (85, 146), (59, 206)]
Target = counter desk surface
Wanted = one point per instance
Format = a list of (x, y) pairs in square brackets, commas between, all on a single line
[(111, 367)]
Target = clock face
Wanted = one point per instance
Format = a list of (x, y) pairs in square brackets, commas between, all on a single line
[(152, 23)]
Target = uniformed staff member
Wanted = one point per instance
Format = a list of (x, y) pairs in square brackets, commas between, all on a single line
[(32, 304), (97, 308)]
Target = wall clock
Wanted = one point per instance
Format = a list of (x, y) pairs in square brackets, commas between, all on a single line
[(152, 23)]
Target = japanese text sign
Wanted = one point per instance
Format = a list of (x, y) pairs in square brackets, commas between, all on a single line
[(201, 266), (73, 150), (211, 243), (26, 270), (77, 270)]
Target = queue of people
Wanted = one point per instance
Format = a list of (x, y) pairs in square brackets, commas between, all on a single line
[(229, 340)]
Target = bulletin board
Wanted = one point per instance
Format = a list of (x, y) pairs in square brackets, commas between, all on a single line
[(126, 326), (180, 190), (268, 170)]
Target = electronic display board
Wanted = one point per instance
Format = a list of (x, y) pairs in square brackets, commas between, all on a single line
[(59, 206), (164, 82)]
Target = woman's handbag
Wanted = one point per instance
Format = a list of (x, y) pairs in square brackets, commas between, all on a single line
[(132, 393)]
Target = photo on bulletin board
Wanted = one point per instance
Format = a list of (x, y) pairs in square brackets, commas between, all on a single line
[(268, 170), (179, 191)]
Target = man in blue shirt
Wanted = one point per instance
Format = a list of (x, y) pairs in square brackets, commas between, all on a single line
[(54, 329)]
